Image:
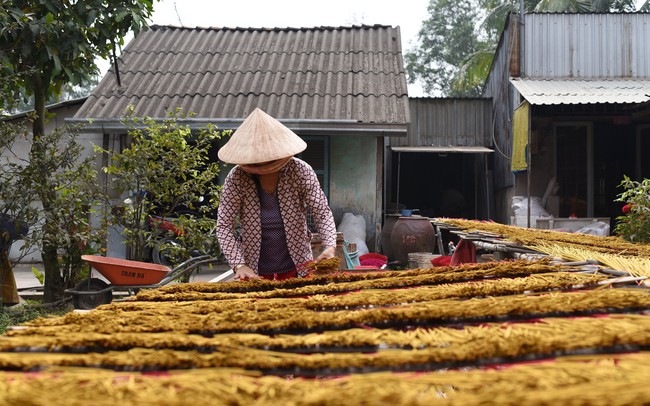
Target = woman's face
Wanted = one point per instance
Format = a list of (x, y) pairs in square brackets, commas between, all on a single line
[(261, 163), (265, 167)]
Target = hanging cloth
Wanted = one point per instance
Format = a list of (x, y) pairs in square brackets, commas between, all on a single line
[(520, 137)]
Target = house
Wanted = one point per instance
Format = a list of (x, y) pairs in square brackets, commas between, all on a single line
[(570, 106), (342, 89), (58, 113), (442, 167)]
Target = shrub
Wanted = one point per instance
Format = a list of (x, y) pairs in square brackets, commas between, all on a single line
[(634, 224), (166, 171), (13, 316), (53, 193)]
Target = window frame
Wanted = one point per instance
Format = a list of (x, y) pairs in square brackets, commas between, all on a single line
[(325, 171)]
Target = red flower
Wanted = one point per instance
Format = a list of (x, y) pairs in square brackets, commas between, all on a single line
[(627, 208)]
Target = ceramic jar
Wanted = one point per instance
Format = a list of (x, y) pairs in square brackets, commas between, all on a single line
[(411, 234), (386, 245)]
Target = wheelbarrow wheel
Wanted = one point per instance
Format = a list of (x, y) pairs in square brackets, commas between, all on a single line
[(89, 301), (163, 252)]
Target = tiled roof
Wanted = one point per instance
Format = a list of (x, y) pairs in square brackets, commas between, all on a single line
[(324, 73)]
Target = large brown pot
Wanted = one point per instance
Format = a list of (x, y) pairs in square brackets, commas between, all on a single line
[(386, 245), (411, 234)]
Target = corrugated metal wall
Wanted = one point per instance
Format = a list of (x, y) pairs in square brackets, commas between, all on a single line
[(587, 45), (502, 93), (581, 46), (562, 46), (448, 122)]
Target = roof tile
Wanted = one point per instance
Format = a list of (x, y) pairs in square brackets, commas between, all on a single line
[(330, 73)]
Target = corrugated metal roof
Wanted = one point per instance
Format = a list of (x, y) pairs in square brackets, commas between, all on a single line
[(50, 108), (324, 73), (445, 150), (557, 91)]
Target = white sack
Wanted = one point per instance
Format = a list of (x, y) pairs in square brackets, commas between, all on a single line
[(520, 207), (597, 228), (353, 228)]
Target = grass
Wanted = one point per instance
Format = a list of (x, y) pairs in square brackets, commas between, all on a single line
[(30, 310)]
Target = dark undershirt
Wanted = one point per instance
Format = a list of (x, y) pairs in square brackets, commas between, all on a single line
[(274, 253)]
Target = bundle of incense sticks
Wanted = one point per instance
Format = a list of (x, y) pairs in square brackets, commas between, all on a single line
[(614, 252), (480, 333), (349, 282), (604, 380), (478, 288)]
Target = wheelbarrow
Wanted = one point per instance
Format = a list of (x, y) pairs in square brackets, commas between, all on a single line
[(127, 275)]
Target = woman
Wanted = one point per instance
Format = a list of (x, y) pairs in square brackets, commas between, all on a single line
[(269, 193)]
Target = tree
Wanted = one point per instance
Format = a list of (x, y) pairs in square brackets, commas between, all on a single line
[(15, 207), (585, 6), (68, 171), (72, 180), (447, 38), (45, 44), (68, 92), (166, 170)]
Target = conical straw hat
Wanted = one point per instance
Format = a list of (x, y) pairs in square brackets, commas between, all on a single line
[(261, 138)]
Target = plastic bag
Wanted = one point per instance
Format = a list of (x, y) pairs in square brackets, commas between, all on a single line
[(596, 228), (353, 228)]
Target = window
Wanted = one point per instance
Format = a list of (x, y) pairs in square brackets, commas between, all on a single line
[(317, 155)]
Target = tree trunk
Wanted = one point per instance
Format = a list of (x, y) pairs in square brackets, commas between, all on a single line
[(54, 285), (8, 292)]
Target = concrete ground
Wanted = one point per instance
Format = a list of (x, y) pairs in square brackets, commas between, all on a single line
[(30, 288)]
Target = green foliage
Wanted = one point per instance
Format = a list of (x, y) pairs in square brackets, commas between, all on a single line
[(16, 315), (469, 79), (39, 275), (67, 176), (494, 14), (69, 181), (166, 170), (16, 200), (45, 44), (447, 38), (60, 40), (68, 92), (585, 6), (634, 224)]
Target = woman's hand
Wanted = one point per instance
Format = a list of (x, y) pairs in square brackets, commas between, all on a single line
[(244, 272), (329, 252)]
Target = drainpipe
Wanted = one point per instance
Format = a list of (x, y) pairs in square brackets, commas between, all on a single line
[(522, 49), (522, 73), (529, 158), (487, 187)]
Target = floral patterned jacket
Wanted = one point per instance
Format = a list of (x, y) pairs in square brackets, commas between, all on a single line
[(298, 192)]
